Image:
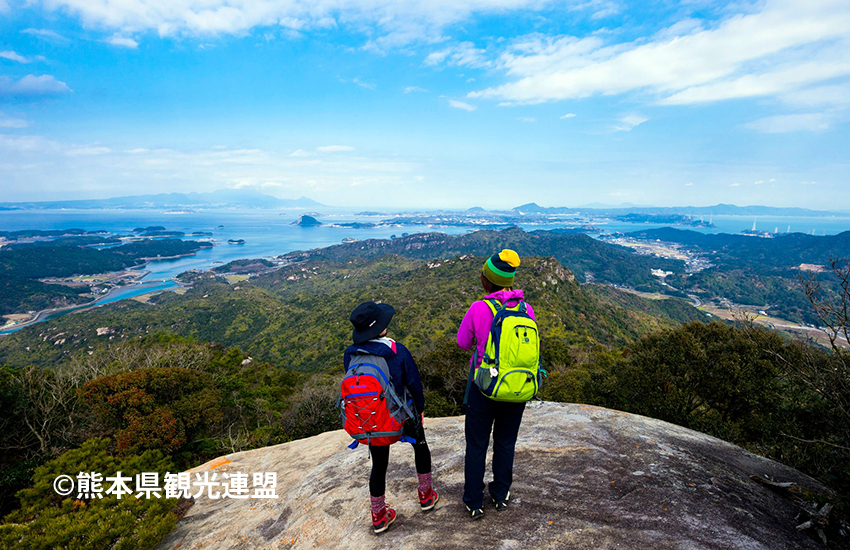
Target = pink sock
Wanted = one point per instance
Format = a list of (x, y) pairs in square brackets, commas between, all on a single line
[(424, 482), (378, 503)]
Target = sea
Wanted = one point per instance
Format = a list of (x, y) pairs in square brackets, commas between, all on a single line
[(268, 233)]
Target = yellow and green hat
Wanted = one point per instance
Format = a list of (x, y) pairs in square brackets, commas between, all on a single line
[(500, 268)]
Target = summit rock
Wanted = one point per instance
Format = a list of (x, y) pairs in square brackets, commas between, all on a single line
[(585, 477)]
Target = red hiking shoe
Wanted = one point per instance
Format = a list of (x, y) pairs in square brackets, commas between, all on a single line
[(382, 520), (428, 499)]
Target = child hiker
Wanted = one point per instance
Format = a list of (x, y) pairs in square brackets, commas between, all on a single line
[(488, 405), (371, 360)]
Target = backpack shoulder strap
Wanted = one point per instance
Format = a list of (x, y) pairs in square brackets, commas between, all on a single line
[(494, 305), (398, 396)]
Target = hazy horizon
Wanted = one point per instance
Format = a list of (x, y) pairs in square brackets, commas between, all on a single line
[(460, 208), (391, 104)]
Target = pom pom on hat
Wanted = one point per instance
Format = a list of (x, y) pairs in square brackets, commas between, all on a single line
[(509, 257)]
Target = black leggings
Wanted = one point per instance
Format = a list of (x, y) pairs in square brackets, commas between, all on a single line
[(381, 459)]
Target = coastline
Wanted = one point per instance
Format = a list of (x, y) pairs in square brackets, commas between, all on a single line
[(109, 297)]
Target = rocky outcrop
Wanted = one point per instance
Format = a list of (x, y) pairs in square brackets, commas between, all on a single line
[(585, 477)]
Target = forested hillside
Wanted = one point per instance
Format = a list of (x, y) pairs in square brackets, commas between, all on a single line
[(174, 382), (765, 272), (588, 258), (297, 317)]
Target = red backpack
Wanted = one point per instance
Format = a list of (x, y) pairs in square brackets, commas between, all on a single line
[(372, 411)]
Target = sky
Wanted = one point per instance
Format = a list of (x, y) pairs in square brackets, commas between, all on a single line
[(429, 104)]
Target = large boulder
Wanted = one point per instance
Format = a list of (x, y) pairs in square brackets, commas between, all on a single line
[(585, 477)]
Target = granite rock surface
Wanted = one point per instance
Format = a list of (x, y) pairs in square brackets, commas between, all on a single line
[(585, 477)]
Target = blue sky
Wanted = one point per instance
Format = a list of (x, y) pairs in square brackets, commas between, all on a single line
[(457, 103)]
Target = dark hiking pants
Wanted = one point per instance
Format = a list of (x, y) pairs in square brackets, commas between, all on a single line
[(482, 416)]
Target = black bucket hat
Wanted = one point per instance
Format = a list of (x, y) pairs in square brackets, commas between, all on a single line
[(370, 320)]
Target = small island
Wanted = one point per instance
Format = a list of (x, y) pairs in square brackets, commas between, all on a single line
[(307, 221), (235, 241), (149, 229)]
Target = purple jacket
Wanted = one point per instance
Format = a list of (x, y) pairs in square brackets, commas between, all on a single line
[(475, 327)]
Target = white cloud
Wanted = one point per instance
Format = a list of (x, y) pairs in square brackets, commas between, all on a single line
[(736, 184), (689, 184), (45, 34), (628, 122), (782, 47), (568, 115), (88, 151), (122, 42), (526, 119), (31, 85), (412, 89), (388, 23), (607, 11), (461, 105), (758, 85), (300, 153), (464, 54), (832, 95), (758, 182), (808, 183), (367, 85), (781, 124), (334, 148), (435, 58), (12, 122), (357, 81), (27, 144), (12, 56)]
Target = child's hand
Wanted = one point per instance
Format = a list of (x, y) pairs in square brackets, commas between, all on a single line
[(422, 418)]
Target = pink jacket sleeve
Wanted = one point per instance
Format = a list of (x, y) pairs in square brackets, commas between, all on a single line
[(466, 332)]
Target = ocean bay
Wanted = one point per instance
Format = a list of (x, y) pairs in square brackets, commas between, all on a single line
[(269, 233)]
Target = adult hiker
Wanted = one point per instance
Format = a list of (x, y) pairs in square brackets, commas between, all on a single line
[(383, 402), (504, 374)]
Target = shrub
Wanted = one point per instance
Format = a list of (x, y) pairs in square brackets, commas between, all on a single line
[(47, 520), (154, 408)]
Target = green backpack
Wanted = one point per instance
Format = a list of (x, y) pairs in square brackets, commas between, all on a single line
[(510, 370)]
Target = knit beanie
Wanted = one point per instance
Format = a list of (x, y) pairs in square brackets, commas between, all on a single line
[(500, 268)]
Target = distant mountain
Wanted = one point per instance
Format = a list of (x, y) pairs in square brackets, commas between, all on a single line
[(753, 210), (476, 210), (534, 208), (220, 198), (718, 209), (603, 205)]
